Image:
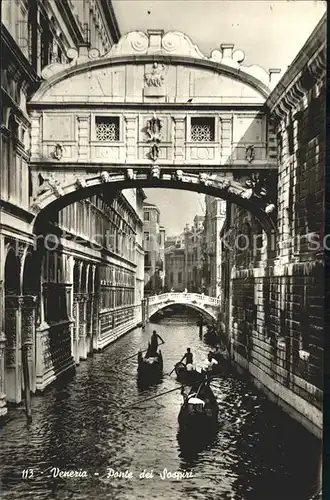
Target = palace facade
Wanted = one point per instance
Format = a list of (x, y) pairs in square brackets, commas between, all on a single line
[(80, 287)]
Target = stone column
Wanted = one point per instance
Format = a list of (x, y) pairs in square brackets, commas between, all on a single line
[(13, 365), (75, 331), (179, 152), (3, 407), (89, 322), (29, 334), (96, 321), (82, 342)]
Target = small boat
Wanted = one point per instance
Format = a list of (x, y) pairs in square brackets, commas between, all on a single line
[(211, 336), (221, 355), (199, 409), (187, 377), (150, 367)]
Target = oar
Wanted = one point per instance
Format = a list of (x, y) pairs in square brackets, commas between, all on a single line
[(162, 394), (132, 356), (153, 397), (172, 370), (129, 357)]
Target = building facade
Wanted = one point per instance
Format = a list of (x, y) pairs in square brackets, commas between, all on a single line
[(154, 248), (183, 258), (274, 290), (193, 245), (79, 126), (215, 215), (75, 283), (175, 267)]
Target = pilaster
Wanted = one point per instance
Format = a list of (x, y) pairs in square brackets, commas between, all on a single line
[(131, 138), (179, 138), (83, 137)]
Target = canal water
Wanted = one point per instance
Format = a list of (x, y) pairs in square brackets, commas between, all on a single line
[(258, 453)]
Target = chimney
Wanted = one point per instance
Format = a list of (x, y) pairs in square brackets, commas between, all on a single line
[(227, 50), (274, 75)]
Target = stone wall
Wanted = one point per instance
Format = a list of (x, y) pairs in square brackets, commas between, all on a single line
[(274, 314)]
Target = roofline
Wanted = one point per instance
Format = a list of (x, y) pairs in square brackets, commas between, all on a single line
[(111, 20), (313, 44)]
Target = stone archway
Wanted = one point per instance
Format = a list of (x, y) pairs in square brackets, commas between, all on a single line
[(131, 122), (56, 196)]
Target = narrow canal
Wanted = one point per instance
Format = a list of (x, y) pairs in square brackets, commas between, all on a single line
[(258, 453)]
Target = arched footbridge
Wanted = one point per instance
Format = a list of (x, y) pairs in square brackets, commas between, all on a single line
[(208, 306)]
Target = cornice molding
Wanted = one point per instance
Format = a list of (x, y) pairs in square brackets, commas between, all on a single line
[(307, 68), (111, 20), (11, 52), (70, 21), (155, 46)]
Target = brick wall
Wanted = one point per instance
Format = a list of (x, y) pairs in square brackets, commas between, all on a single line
[(275, 308)]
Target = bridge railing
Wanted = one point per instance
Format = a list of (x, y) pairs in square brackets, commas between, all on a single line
[(182, 297)]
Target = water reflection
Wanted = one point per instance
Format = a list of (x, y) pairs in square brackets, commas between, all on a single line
[(256, 452)]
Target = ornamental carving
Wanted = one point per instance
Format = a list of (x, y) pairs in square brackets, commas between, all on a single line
[(130, 174), (153, 131), (155, 77), (257, 184), (105, 177), (250, 153), (50, 184), (155, 172), (57, 153), (179, 174), (80, 183)]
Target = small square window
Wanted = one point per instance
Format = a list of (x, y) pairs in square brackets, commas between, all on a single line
[(107, 128), (202, 129)]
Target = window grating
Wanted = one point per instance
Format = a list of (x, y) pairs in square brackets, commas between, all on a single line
[(107, 128), (202, 129)]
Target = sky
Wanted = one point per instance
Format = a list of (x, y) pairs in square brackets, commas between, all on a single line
[(270, 33)]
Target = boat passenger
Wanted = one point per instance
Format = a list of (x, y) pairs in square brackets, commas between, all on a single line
[(211, 362), (154, 343)]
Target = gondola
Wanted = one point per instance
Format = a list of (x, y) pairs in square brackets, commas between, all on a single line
[(150, 367), (186, 377), (222, 357), (211, 337), (199, 409)]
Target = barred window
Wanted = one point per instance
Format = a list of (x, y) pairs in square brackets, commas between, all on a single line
[(107, 128), (202, 129)]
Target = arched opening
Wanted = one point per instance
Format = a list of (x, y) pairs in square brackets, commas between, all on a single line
[(12, 321)]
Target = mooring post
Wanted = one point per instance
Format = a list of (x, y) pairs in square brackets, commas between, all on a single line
[(26, 375), (144, 312), (201, 327)]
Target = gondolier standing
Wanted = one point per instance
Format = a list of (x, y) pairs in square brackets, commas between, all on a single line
[(154, 343), (188, 356)]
